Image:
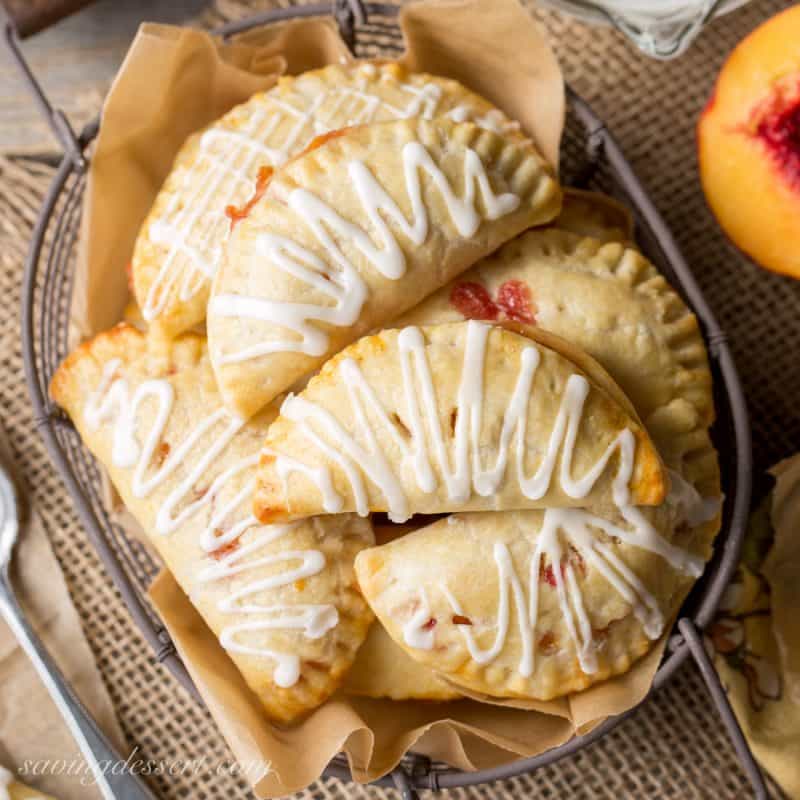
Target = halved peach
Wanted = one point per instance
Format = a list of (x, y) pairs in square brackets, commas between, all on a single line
[(749, 144)]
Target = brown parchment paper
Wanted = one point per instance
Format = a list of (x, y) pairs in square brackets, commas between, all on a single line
[(374, 734), (496, 49), (176, 81), (782, 570)]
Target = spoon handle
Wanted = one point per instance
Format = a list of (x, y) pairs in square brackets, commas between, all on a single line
[(94, 746)]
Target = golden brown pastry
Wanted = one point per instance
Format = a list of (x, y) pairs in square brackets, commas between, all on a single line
[(537, 604), (534, 604), (383, 669), (217, 170), (355, 231), (596, 215), (282, 599), (452, 418)]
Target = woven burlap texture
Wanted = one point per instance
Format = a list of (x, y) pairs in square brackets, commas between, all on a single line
[(674, 746)]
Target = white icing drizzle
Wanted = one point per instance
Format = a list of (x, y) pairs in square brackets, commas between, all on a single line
[(694, 509), (425, 440), (352, 457), (336, 277), (331, 501), (507, 578), (574, 526), (493, 120), (314, 620), (190, 223), (226, 160), (112, 402), (417, 632), (421, 441), (459, 114), (549, 549)]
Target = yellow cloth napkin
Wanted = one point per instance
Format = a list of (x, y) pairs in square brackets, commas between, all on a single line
[(756, 634), (12, 789), (32, 731)]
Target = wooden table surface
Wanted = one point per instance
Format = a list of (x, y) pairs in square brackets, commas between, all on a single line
[(75, 61)]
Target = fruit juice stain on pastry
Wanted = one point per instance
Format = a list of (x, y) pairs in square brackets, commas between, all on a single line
[(749, 145), (513, 302), (603, 298), (323, 139), (179, 248), (238, 213)]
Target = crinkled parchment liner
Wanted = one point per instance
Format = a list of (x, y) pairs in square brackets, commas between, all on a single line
[(175, 81), (782, 570)]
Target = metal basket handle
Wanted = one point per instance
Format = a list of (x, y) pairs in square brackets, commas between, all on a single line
[(692, 638), (55, 118)]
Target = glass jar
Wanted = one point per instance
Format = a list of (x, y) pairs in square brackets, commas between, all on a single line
[(661, 28)]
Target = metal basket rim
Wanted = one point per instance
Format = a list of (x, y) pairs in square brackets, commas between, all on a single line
[(729, 540)]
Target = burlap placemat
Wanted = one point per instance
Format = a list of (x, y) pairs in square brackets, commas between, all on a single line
[(674, 746)]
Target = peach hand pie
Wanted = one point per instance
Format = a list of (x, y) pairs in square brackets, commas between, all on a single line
[(532, 604), (452, 418), (282, 598), (355, 231), (216, 172)]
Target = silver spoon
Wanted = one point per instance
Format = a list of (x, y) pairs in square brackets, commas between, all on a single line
[(93, 744)]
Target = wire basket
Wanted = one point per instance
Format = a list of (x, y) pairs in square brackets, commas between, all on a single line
[(590, 158)]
